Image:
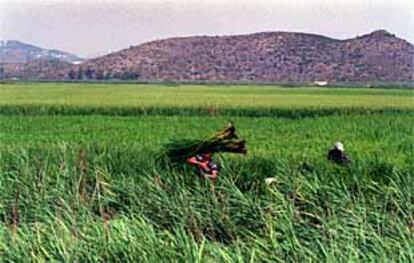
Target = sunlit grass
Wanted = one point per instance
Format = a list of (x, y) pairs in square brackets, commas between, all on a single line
[(79, 181), (134, 95)]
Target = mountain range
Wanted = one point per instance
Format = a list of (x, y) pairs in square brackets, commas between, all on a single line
[(259, 57), (13, 51)]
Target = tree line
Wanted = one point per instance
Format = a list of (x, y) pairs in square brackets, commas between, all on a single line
[(89, 73)]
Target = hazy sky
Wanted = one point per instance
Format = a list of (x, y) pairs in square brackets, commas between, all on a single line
[(95, 27)]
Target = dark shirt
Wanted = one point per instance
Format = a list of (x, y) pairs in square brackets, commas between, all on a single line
[(211, 166), (338, 157)]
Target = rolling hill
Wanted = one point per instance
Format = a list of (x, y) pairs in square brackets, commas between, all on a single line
[(259, 57)]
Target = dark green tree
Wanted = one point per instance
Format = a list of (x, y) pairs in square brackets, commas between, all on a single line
[(72, 74), (99, 74), (2, 72), (80, 74), (89, 73)]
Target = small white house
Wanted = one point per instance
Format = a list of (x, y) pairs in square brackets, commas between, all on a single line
[(320, 83)]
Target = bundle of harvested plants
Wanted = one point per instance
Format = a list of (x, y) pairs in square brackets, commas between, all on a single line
[(225, 140)]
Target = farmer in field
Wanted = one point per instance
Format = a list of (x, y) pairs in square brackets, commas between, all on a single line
[(199, 152), (206, 168), (337, 154)]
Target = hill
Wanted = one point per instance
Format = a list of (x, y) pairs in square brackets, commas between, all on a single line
[(259, 57), (36, 69), (12, 51)]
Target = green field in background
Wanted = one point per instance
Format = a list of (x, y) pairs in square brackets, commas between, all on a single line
[(135, 95)]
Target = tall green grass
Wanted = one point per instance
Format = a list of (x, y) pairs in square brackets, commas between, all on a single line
[(387, 137), (291, 113), (79, 181), (113, 204), (87, 188)]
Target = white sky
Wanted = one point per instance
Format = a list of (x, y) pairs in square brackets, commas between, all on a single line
[(96, 27)]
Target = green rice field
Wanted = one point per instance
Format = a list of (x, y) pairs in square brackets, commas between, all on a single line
[(79, 179)]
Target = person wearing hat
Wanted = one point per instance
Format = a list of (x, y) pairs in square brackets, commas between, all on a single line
[(337, 154)]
